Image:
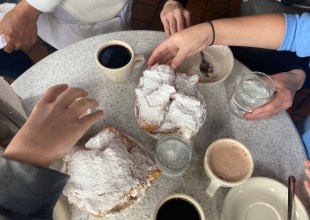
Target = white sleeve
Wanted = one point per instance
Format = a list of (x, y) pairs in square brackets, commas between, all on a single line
[(45, 5)]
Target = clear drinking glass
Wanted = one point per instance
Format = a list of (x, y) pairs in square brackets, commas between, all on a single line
[(173, 154), (254, 90)]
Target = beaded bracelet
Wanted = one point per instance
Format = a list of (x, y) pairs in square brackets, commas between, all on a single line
[(213, 32)]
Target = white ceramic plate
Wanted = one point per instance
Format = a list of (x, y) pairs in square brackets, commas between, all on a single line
[(260, 198), (60, 211), (219, 56)]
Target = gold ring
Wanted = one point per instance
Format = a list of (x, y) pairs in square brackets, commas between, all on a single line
[(172, 21)]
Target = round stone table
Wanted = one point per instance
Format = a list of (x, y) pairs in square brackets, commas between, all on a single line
[(274, 143)]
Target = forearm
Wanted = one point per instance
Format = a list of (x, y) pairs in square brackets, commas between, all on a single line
[(262, 31), (27, 10)]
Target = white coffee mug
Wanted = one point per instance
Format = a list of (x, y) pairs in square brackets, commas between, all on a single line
[(227, 163), (176, 210), (119, 74)]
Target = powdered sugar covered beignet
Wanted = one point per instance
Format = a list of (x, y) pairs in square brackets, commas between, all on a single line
[(109, 175), (169, 102)]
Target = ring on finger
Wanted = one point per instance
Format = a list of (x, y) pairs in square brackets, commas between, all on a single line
[(172, 21)]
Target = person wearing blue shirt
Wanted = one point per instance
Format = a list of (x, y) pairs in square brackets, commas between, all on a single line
[(282, 32)]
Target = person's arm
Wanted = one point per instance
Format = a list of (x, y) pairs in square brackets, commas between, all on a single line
[(263, 31), (174, 17), (28, 192), (28, 189), (286, 85), (307, 172), (297, 34), (53, 127), (19, 27)]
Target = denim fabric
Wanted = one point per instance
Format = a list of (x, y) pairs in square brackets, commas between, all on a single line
[(303, 128), (271, 61), (12, 65)]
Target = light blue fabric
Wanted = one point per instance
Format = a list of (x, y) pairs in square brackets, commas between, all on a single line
[(297, 39)]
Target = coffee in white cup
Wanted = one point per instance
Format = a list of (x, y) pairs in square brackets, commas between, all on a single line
[(178, 206), (117, 60), (227, 163)]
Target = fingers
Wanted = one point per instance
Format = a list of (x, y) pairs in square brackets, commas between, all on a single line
[(172, 25), (280, 102), (179, 57), (158, 52), (307, 172), (9, 48), (187, 18), (307, 186), (70, 95), (53, 92), (307, 163), (80, 107), (92, 118)]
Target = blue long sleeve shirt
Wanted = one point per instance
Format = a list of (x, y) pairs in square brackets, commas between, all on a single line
[(297, 36), (297, 39)]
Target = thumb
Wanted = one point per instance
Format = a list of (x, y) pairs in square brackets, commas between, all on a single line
[(179, 57)]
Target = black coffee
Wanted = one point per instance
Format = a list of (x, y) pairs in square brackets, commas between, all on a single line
[(177, 208), (114, 56)]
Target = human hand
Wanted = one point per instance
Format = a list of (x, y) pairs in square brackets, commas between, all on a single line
[(174, 17), (19, 27), (286, 85), (181, 45), (307, 172), (53, 126)]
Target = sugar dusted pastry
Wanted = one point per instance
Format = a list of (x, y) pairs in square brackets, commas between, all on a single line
[(109, 174), (169, 102)]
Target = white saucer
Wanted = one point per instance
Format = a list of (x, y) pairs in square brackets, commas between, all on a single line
[(219, 56), (61, 212), (260, 198)]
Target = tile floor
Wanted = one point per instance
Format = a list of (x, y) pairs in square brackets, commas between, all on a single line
[(146, 17)]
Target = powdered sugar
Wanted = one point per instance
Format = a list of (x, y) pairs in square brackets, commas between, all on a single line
[(112, 170), (170, 102)]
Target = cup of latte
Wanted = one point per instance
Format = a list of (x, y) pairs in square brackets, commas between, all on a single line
[(227, 163), (178, 206), (116, 60)]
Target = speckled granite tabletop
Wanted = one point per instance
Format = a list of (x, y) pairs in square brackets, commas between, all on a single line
[(274, 143)]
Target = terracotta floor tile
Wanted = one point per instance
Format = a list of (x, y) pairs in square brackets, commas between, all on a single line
[(209, 16), (196, 8), (303, 109), (157, 25), (218, 6), (143, 12), (150, 2), (139, 25), (195, 20)]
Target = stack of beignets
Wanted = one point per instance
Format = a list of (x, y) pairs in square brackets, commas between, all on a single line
[(169, 102)]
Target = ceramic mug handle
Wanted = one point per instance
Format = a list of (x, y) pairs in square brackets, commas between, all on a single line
[(212, 188), (139, 60)]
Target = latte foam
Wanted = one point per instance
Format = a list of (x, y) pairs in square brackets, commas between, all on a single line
[(229, 162)]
